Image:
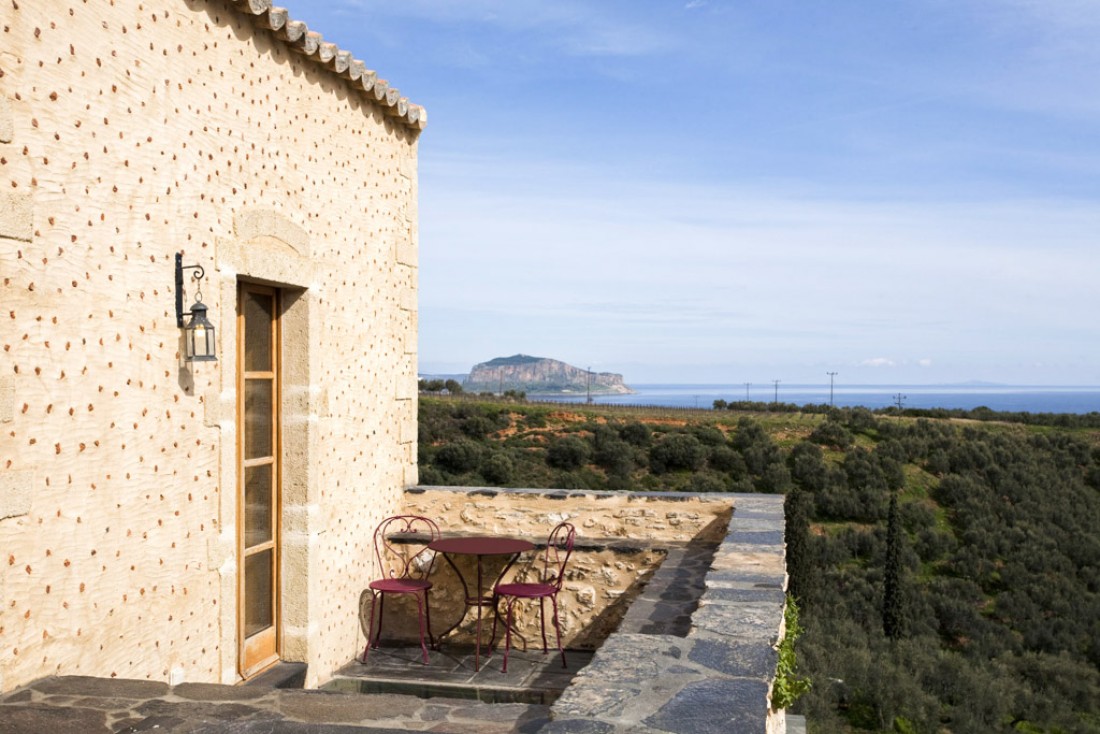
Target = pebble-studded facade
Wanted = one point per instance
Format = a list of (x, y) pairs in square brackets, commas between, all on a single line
[(131, 130)]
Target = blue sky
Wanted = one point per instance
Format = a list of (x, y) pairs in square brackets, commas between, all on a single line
[(705, 191)]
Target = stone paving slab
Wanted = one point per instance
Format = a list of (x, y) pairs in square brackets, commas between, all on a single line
[(747, 621), (79, 705), (714, 706), (672, 593), (532, 677)]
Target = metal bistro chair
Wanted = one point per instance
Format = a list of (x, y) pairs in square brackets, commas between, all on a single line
[(559, 546), (400, 546)]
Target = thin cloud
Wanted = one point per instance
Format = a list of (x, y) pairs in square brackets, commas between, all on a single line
[(629, 181), (1059, 17), (612, 40), (572, 28)]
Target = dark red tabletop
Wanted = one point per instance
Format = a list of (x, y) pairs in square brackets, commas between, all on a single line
[(481, 545)]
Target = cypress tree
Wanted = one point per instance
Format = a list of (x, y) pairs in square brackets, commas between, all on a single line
[(893, 616), (797, 536)]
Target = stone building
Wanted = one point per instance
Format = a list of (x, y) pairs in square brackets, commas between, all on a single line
[(196, 520)]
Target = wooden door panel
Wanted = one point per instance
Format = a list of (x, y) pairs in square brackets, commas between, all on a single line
[(258, 478)]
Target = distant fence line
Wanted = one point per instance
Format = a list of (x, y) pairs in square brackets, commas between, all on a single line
[(624, 408), (621, 407), (562, 404), (1061, 420)]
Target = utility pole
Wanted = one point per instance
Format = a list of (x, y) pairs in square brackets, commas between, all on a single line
[(747, 386), (831, 376), (588, 382), (776, 391), (898, 400), (500, 379)]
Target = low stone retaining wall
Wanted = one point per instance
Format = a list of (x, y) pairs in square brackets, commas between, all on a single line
[(718, 677), (531, 513), (622, 538), (602, 580)]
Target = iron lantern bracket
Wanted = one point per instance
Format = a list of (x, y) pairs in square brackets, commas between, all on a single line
[(180, 267)]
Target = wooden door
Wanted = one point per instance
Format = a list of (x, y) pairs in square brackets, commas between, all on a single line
[(258, 477)]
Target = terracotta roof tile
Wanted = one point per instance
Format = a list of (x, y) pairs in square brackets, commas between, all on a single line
[(297, 36)]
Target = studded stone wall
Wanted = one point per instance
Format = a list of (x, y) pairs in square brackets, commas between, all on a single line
[(130, 130)]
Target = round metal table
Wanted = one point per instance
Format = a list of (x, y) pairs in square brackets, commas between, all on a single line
[(479, 546)]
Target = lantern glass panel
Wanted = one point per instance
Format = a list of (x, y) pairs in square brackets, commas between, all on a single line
[(199, 338)]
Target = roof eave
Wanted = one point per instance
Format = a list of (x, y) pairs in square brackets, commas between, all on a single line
[(297, 36)]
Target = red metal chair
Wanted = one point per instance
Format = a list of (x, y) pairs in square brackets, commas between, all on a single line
[(559, 546), (401, 549)]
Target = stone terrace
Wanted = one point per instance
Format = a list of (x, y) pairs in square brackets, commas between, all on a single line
[(693, 653)]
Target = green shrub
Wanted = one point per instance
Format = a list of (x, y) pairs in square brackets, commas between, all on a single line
[(776, 479), (429, 475), (477, 426), (725, 459), (535, 419), (789, 685), (678, 452), (831, 433), (807, 465), (498, 469), (570, 480), (707, 481), (616, 456), (459, 456), (709, 435), (636, 433), (567, 453)]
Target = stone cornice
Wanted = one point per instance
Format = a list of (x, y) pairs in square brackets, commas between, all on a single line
[(297, 36)]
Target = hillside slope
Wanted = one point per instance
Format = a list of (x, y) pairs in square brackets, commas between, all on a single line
[(995, 544)]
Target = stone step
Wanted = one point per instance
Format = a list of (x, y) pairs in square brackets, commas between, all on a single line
[(281, 675), (436, 689)]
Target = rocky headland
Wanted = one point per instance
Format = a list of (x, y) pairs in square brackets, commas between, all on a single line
[(540, 375)]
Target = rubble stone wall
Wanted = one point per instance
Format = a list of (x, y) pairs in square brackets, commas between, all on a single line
[(532, 513), (130, 131), (600, 583), (622, 538)]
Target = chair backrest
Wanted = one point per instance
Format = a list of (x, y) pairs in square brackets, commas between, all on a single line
[(401, 546), (559, 546)]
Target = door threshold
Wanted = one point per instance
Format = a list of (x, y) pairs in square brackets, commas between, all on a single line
[(280, 674)]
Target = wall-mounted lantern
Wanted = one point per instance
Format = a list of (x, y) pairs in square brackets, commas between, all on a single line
[(198, 336)]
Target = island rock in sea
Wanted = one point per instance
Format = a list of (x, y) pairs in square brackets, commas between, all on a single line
[(539, 375)]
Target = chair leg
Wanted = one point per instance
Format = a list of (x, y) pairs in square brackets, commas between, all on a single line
[(496, 615), (420, 619), (381, 614), (370, 627), (508, 633), (428, 614), (542, 621), (557, 628)]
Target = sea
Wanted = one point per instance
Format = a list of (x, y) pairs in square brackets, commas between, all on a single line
[(1001, 398)]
